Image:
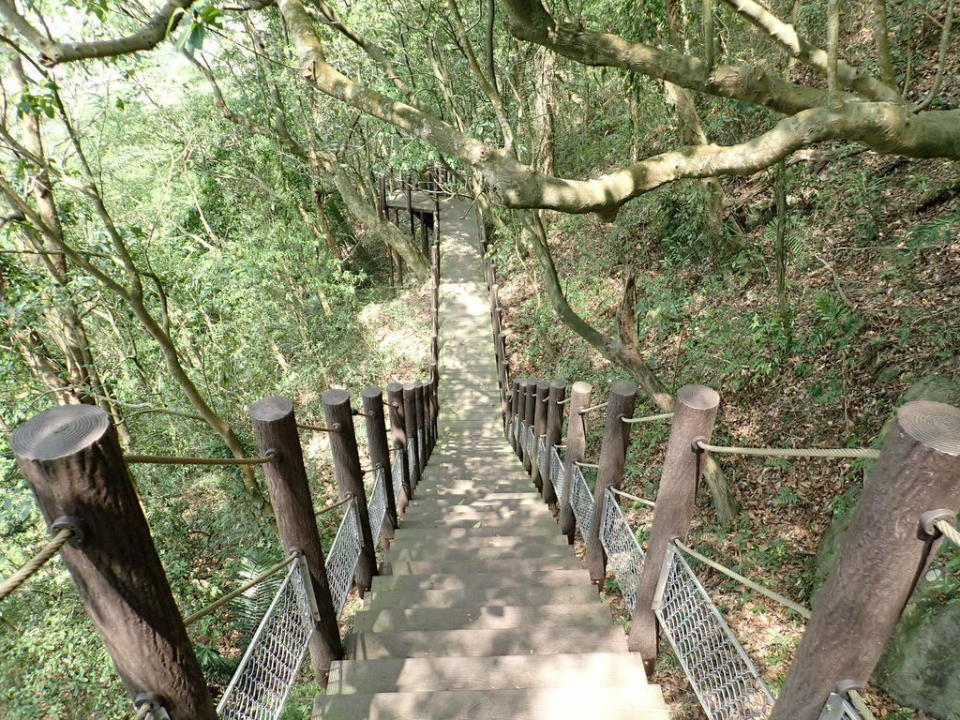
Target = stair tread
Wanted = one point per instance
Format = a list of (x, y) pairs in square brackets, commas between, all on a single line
[(490, 672), (472, 642), (571, 703), (457, 581), (526, 595), (482, 617)]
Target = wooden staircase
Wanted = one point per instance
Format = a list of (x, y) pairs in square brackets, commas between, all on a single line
[(482, 610)]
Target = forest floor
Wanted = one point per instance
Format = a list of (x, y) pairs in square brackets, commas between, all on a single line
[(869, 309)]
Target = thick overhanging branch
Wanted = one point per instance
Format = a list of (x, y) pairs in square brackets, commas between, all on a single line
[(528, 20), (160, 24), (848, 76)]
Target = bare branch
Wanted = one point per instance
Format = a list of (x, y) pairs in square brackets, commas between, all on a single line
[(941, 58)]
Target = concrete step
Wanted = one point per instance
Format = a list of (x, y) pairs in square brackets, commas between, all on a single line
[(472, 579), (491, 673), (413, 540), (451, 553), (592, 615), (519, 499), (521, 566), (495, 596), (481, 643), (433, 535), (570, 703), (506, 524)]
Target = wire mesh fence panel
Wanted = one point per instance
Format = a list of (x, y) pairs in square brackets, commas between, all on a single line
[(259, 687), (421, 451), (838, 707), (543, 456), (411, 459), (722, 676), (624, 554), (343, 556), (397, 474), (377, 506), (581, 500), (521, 437), (556, 472), (530, 442)]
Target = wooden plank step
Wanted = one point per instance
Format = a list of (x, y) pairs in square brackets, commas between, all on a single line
[(429, 538), (478, 643), (472, 579), (523, 595), (491, 673), (569, 703), (589, 615)]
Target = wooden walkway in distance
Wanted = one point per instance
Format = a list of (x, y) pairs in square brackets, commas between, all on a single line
[(483, 611), (420, 201)]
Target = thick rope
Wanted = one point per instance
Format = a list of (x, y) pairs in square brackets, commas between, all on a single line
[(144, 710), (334, 506), (601, 406), (860, 705), (792, 452), (33, 565), (647, 418), (320, 428), (162, 460), (634, 498), (190, 619), (949, 531), (593, 466), (783, 600)]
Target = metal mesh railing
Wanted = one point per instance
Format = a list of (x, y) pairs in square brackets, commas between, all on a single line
[(529, 442), (421, 450), (624, 554), (377, 506), (259, 687), (556, 472), (543, 457), (581, 500), (397, 474), (411, 460), (838, 707), (343, 556), (521, 436), (723, 677)]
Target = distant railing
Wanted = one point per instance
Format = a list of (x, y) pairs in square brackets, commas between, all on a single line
[(906, 509), (72, 458)]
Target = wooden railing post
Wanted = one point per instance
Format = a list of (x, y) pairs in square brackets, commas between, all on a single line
[(515, 412), (529, 401), (434, 403), (275, 428), (413, 229), (613, 453), (420, 399), (885, 552), (379, 450), (541, 392), (576, 442), (346, 464), (410, 427), (72, 460), (398, 436), (558, 390), (693, 418)]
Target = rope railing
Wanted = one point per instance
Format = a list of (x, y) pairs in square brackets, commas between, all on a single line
[(948, 531), (588, 465), (647, 418), (775, 596), (634, 498), (600, 406), (334, 506), (217, 604), (791, 452), (34, 564), (319, 428), (165, 460)]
